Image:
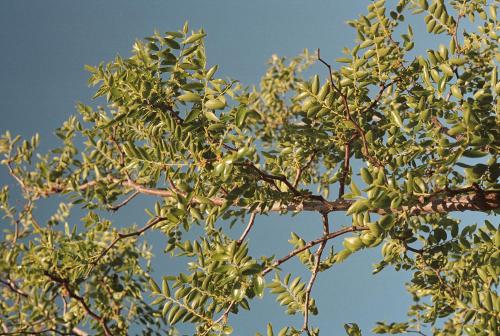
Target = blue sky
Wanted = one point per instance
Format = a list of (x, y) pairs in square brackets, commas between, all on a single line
[(45, 45)]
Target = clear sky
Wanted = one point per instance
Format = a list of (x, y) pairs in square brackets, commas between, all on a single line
[(45, 45)]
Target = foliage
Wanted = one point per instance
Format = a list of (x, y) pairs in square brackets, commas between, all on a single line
[(421, 131)]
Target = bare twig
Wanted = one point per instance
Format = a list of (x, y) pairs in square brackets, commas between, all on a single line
[(17, 178), (72, 294), (271, 178), (221, 318), (345, 170), (124, 202), (348, 115), (121, 236), (311, 244), (314, 273), (248, 228), (13, 287), (301, 170)]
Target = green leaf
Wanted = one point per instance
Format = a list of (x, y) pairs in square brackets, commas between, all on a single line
[(172, 43), (241, 116), (259, 285), (386, 222), (215, 104), (189, 97), (446, 69), (193, 38), (397, 120), (315, 85), (366, 176), (358, 206), (164, 287), (211, 116), (344, 60), (154, 287), (353, 243), (455, 91), (192, 115)]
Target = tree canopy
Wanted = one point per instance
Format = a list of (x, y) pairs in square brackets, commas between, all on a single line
[(394, 140)]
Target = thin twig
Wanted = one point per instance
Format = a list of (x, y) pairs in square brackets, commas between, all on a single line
[(314, 273), (348, 115), (301, 170), (17, 178), (346, 168), (270, 177), (121, 236), (65, 284), (13, 287), (248, 228), (416, 332), (124, 202), (311, 244), (223, 317), (40, 332), (444, 130)]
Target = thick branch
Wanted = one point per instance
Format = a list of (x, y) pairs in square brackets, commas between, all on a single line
[(448, 201)]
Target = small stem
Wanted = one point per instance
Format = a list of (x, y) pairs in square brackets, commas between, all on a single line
[(345, 171), (311, 244), (65, 284), (127, 200), (248, 228), (314, 273), (123, 236)]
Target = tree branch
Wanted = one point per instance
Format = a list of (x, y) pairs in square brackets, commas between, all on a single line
[(248, 228), (124, 236), (348, 115), (311, 244), (444, 130), (124, 202), (345, 170), (314, 273), (65, 284), (466, 199), (13, 287), (301, 170)]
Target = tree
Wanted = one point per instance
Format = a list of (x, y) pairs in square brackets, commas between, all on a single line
[(395, 141)]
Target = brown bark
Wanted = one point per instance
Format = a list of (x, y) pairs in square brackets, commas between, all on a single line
[(452, 201)]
